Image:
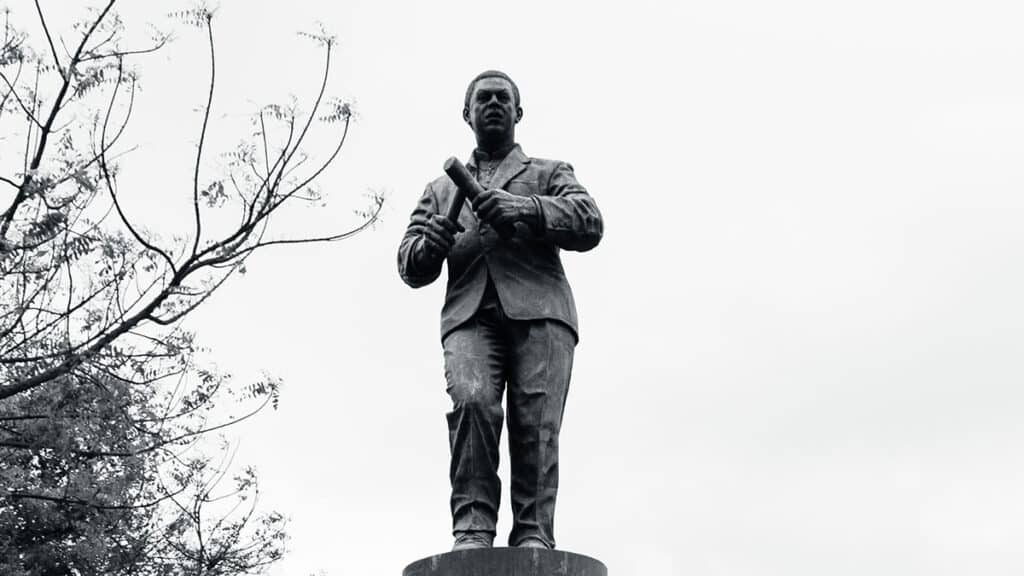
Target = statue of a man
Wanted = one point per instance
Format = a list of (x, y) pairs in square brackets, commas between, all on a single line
[(509, 317)]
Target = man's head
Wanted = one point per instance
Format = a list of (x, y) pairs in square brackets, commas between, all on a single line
[(491, 74), (492, 108)]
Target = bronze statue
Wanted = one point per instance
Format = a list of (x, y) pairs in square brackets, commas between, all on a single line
[(508, 316)]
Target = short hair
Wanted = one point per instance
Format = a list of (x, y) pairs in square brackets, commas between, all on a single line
[(491, 74)]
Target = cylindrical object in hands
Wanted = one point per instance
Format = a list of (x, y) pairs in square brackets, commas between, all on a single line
[(468, 187)]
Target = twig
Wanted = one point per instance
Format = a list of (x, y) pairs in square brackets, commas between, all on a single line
[(202, 133), (49, 38)]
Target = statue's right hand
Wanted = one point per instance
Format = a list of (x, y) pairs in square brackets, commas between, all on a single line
[(439, 235)]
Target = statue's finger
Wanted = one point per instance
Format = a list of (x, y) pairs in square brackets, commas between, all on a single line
[(449, 225), (487, 215), (481, 198), (488, 205), (442, 238)]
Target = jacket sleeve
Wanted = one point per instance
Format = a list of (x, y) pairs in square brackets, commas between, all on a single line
[(414, 266), (568, 214)]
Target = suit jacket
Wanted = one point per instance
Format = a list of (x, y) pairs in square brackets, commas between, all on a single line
[(526, 268)]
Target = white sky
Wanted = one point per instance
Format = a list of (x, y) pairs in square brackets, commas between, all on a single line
[(802, 335)]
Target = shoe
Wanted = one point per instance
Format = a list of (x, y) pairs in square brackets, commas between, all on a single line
[(473, 541), (532, 542)]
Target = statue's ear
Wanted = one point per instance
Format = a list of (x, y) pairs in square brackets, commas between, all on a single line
[(519, 114), (465, 116)]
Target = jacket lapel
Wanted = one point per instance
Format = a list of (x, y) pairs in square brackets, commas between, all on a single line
[(513, 164)]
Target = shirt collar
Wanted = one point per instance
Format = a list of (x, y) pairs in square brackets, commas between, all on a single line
[(497, 156)]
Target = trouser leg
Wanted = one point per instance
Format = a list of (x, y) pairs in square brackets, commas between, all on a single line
[(541, 354), (474, 359)]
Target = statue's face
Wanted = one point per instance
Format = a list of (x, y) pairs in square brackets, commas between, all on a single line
[(492, 111)]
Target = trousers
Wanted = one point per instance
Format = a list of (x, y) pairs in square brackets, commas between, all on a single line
[(534, 359)]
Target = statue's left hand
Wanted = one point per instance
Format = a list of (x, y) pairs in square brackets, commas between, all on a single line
[(499, 208)]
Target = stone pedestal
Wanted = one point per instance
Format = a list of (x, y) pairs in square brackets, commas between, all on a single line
[(507, 562)]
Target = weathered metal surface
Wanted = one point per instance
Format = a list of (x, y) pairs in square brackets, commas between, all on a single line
[(507, 562)]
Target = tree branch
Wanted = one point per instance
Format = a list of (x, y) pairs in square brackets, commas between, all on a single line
[(332, 238), (122, 53), (87, 503), (202, 133), (11, 87), (49, 38), (8, 215), (108, 179), (181, 314), (12, 91)]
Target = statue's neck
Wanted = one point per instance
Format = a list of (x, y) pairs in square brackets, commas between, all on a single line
[(484, 152)]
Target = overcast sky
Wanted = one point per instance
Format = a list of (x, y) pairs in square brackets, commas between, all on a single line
[(802, 337)]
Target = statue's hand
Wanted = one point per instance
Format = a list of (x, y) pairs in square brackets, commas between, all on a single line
[(499, 208), (439, 236)]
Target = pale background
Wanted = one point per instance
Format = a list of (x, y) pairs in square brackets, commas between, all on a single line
[(802, 336)]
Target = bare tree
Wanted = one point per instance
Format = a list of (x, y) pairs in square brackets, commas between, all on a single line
[(103, 394)]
